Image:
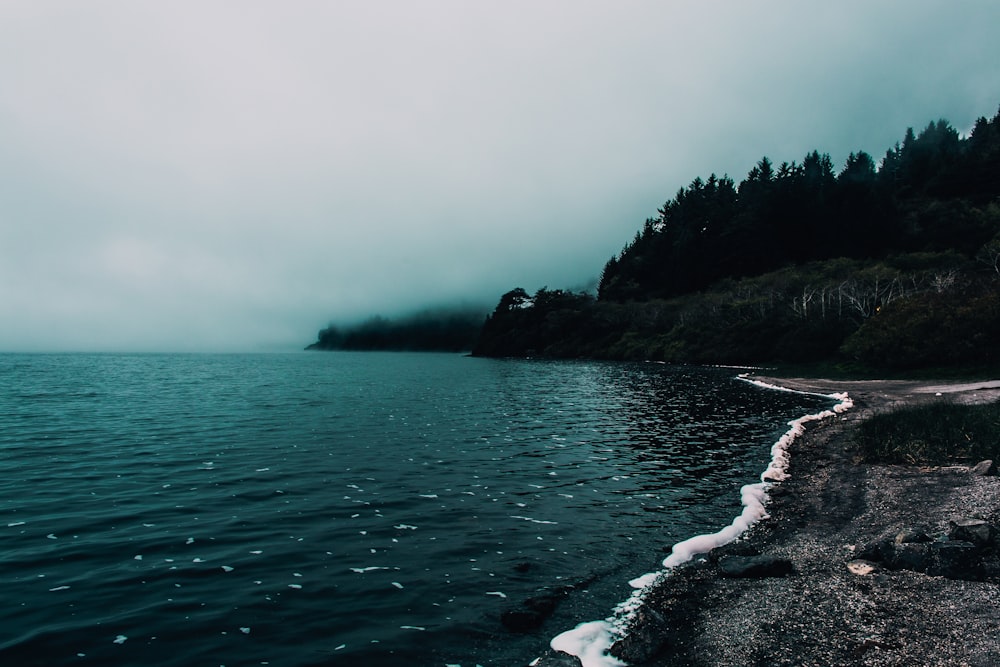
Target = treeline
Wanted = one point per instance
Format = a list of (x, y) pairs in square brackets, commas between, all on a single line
[(895, 264), (436, 330)]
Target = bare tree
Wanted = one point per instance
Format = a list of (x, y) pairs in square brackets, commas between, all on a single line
[(942, 281), (989, 255)]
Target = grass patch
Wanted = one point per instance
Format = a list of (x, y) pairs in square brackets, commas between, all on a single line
[(851, 370), (935, 434)]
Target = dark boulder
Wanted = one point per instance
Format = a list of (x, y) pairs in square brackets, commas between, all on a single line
[(880, 551), (956, 560), (522, 620), (778, 492), (755, 566), (976, 531), (960, 555), (529, 616), (911, 556), (912, 535), (737, 548), (647, 637), (967, 552), (984, 468)]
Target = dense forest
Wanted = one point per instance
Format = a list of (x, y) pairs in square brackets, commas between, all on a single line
[(894, 263), (433, 330)]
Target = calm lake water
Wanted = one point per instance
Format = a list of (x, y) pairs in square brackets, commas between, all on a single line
[(349, 509)]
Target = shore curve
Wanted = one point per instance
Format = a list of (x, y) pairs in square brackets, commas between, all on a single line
[(828, 509)]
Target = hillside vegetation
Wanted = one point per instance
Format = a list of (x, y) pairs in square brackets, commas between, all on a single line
[(893, 264)]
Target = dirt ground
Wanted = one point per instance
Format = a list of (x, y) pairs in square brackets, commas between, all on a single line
[(820, 518)]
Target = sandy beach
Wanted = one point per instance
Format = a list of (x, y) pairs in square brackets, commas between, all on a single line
[(845, 529)]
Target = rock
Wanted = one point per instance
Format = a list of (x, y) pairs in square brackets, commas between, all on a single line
[(555, 659), (861, 567), (880, 551), (911, 556), (648, 637), (532, 612), (976, 531), (521, 620), (737, 548), (959, 556), (778, 491), (956, 560), (984, 468), (912, 535), (755, 566), (530, 616)]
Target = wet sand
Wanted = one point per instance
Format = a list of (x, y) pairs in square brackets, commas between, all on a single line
[(831, 506)]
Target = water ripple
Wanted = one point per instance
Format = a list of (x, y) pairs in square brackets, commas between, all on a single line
[(303, 509)]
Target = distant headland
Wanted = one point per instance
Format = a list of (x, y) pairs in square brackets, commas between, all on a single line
[(432, 330)]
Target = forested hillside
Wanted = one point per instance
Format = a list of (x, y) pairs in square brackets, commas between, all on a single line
[(893, 263)]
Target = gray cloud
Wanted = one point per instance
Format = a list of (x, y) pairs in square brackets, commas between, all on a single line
[(231, 175)]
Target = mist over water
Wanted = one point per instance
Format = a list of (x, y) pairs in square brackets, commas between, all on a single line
[(349, 508)]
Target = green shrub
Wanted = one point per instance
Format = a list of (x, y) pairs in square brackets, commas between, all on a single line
[(936, 434), (931, 329)]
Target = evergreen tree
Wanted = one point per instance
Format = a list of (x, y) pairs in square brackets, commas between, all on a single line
[(727, 270)]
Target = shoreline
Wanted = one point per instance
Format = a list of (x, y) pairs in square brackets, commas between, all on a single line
[(825, 513)]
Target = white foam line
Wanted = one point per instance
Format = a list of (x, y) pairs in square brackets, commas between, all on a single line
[(362, 570), (591, 641), (528, 518)]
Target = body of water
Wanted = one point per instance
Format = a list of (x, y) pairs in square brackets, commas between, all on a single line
[(349, 508)]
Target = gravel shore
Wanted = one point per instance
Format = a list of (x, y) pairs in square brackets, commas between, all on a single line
[(835, 608)]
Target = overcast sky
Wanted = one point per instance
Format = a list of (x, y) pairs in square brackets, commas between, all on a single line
[(232, 175)]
